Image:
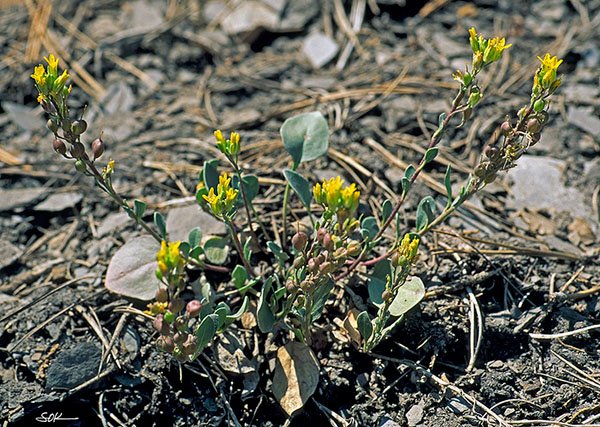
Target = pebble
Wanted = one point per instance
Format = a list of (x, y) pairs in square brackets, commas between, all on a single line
[(180, 221), (319, 49), (59, 202), (74, 366), (415, 414), (585, 119)]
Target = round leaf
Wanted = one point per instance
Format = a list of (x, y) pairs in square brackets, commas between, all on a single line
[(408, 296), (305, 136), (131, 271), (216, 250)]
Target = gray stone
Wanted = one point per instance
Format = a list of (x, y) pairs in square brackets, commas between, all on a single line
[(59, 202), (180, 221), (26, 118), (112, 222), (415, 414), (249, 16), (10, 253), (319, 49), (584, 119), (17, 197), (74, 366)]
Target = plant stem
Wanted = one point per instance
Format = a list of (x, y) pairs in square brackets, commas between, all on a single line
[(238, 246), (286, 196), (238, 172)]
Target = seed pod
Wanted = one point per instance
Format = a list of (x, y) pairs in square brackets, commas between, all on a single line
[(539, 105), (535, 137), (353, 248), (542, 116), (327, 241), (78, 127), (313, 265), (193, 308), (307, 285), (162, 295), (480, 170), (394, 258), (80, 165), (169, 317), (299, 240), (340, 253), (180, 324), (59, 147), (49, 107), (386, 295), (299, 262), (491, 152), (176, 305), (533, 126), (97, 148), (326, 268), (489, 179), (506, 128), (52, 125), (159, 323), (321, 234), (77, 150), (180, 337), (189, 346), (290, 286)]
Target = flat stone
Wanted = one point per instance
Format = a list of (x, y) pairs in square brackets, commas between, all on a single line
[(59, 202), (585, 119), (10, 253), (112, 222), (319, 49), (415, 414), (74, 366), (26, 118), (17, 197), (180, 221), (249, 16)]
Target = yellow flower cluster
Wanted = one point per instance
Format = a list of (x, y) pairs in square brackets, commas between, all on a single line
[(230, 147), (169, 259), (335, 197), (156, 307), (49, 84), (545, 77), (407, 252), (486, 51), (222, 202)]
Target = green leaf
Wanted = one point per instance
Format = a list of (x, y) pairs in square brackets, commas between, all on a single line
[(139, 208), (369, 227), (235, 316), (441, 119), (159, 221), (365, 327), (386, 210), (216, 250), (264, 315), (320, 298), (280, 255), (195, 237), (425, 212), (377, 281), (408, 296), (184, 248), (247, 249), (222, 310), (448, 184), (305, 136), (431, 154), (210, 174), (409, 172), (206, 331), (239, 276), (300, 186), (250, 187)]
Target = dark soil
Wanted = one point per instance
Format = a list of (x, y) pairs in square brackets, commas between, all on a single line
[(161, 76)]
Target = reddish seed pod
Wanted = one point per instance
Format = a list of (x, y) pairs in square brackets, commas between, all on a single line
[(59, 147), (52, 125), (491, 152), (290, 286), (168, 344), (77, 150), (327, 242), (78, 127), (298, 262), (193, 308), (321, 232), (506, 128), (97, 148), (299, 240), (533, 126), (386, 295)]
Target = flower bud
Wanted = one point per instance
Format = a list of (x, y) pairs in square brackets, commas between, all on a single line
[(340, 253), (193, 308), (533, 126), (78, 127), (48, 107), (506, 128), (52, 125), (299, 240), (176, 305), (313, 265), (59, 147), (97, 148), (80, 165), (77, 150), (162, 295), (353, 248)]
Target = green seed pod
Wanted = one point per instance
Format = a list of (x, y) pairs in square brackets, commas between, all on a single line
[(59, 147), (78, 127), (539, 105), (77, 150), (80, 165), (290, 286), (169, 317), (307, 285), (52, 125)]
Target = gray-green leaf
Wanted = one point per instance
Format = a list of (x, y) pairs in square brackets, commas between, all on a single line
[(300, 186), (408, 296), (305, 136)]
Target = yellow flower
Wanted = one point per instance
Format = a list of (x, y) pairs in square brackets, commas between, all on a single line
[(407, 251), (494, 49), (39, 75), (486, 51), (229, 147), (40, 98), (52, 65), (155, 308), (222, 201), (218, 135), (334, 196), (169, 258), (546, 77), (60, 81), (211, 198)]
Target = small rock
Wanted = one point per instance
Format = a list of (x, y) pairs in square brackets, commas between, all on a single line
[(496, 364), (130, 341), (74, 366), (415, 414), (28, 119), (249, 16), (59, 202), (585, 119), (10, 253), (119, 98), (457, 405), (14, 198), (142, 14), (112, 222), (319, 49), (180, 221)]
